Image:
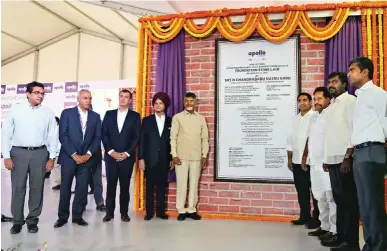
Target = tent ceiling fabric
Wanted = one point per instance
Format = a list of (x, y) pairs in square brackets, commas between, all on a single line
[(27, 24)]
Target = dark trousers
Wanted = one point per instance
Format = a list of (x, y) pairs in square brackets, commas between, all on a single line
[(369, 169), (345, 197), (95, 183), (156, 176), (303, 188), (118, 171), (80, 199), (30, 164)]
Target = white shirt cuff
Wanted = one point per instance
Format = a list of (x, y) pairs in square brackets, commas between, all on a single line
[(73, 154), (88, 152), (110, 152), (127, 154)]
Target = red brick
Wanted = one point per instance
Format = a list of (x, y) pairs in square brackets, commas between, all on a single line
[(190, 39), (199, 87), (318, 76), (306, 40), (283, 204), (229, 194), (218, 201), (272, 196), (261, 203), (194, 66), (201, 44), (203, 186), (200, 58), (291, 196), (239, 202), (292, 212), (209, 51), (192, 80), (194, 52), (187, 46), (206, 179), (316, 46), (210, 66), (266, 188), (203, 200), (284, 188), (315, 61), (208, 193), (209, 80), (220, 186), (187, 74), (251, 195), (171, 198), (229, 209), (251, 210), (208, 208), (309, 54), (244, 187), (310, 69), (272, 211), (201, 73), (206, 108)]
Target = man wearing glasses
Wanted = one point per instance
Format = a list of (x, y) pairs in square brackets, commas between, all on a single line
[(29, 150)]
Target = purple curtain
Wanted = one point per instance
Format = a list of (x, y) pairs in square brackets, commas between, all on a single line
[(343, 47), (170, 72)]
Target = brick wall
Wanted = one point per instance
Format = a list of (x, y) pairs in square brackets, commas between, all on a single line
[(237, 198)]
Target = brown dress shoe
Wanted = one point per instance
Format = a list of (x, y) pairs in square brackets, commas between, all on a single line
[(125, 217)]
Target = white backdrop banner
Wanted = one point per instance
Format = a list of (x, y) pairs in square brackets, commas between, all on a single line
[(257, 84)]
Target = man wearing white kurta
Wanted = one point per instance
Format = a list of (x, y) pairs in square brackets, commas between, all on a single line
[(314, 153)]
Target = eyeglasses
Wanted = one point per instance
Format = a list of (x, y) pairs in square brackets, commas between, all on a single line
[(39, 93)]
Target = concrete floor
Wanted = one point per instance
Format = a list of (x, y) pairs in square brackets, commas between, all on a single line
[(155, 235)]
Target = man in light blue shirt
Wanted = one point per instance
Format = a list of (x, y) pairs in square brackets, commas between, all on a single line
[(29, 149)]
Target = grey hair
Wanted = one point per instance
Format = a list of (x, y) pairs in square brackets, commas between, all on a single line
[(81, 91)]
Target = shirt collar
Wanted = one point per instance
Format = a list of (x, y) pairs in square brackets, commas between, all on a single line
[(126, 111), (80, 111), (340, 98), (365, 87), (187, 112), (308, 113), (33, 107), (162, 116)]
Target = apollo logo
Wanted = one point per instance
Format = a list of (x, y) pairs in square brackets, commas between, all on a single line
[(86, 86), (3, 89), (48, 88), (60, 87), (260, 53), (71, 87), (11, 89), (21, 89)]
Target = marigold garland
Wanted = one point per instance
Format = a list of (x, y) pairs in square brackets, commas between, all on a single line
[(364, 32), (385, 46), (287, 24), (369, 35), (277, 26), (380, 32), (374, 46)]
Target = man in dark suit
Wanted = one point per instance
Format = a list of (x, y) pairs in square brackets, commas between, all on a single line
[(155, 154), (80, 136), (120, 134)]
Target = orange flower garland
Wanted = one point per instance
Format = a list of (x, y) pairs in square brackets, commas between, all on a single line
[(380, 33), (277, 26), (374, 50), (364, 32), (385, 46), (286, 24)]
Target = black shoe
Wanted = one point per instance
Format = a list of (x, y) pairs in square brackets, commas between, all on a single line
[(299, 222), (6, 219), (16, 229), (162, 216), (148, 217), (326, 236), (33, 228), (333, 242), (181, 217), (91, 191), (108, 217), (60, 223), (313, 224), (57, 187), (101, 208), (346, 247), (80, 222), (194, 216), (125, 217), (318, 232)]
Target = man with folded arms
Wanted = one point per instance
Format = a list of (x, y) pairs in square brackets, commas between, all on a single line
[(368, 137), (29, 128), (189, 149), (314, 152)]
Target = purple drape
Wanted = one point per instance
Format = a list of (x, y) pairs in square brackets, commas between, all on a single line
[(170, 72), (342, 48)]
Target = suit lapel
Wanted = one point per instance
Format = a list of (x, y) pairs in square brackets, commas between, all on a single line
[(79, 122), (88, 123), (125, 121), (115, 120), (165, 128)]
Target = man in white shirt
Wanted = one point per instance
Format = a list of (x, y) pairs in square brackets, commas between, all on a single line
[(368, 137), (295, 148), (120, 135), (337, 158), (154, 153), (314, 153), (29, 148)]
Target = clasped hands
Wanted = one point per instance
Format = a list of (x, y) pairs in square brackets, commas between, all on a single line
[(80, 159), (119, 156)]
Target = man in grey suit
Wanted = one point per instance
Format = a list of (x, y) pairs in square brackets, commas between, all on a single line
[(29, 129)]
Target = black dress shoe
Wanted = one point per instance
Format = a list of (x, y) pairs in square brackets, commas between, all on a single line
[(313, 224), (194, 216), (298, 222), (60, 223), (346, 247), (80, 222), (16, 229), (333, 242), (162, 216), (57, 187), (33, 228), (181, 217), (125, 217), (318, 232), (101, 208), (6, 219), (148, 217), (326, 236), (108, 217)]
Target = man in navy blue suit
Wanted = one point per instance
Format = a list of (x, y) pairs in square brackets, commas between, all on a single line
[(80, 136), (120, 135), (155, 154)]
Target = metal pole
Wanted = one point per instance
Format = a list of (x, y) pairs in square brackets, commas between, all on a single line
[(78, 56), (36, 66)]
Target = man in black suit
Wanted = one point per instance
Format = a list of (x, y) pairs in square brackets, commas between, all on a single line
[(154, 154), (80, 136), (120, 135)]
